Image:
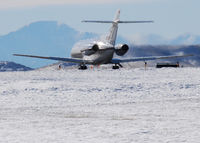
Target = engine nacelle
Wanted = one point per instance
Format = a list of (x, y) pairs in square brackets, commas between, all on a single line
[(95, 47), (121, 49), (91, 51)]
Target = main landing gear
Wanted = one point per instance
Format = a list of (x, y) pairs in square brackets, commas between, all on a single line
[(116, 66), (82, 67)]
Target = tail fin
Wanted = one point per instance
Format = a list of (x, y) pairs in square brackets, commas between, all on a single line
[(111, 38)]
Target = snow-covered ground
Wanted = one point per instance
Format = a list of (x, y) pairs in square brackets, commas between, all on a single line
[(100, 106)]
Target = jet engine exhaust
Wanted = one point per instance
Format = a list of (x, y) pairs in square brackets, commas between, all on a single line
[(121, 50)]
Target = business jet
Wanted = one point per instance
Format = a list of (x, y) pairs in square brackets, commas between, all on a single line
[(102, 52)]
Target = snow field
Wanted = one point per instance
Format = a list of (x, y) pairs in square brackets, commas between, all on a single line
[(100, 105)]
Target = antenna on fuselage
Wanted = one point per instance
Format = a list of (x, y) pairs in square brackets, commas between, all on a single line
[(111, 38)]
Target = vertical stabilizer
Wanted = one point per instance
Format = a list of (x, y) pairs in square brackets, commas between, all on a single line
[(111, 38)]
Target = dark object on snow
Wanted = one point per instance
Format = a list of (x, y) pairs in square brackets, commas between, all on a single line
[(161, 65)]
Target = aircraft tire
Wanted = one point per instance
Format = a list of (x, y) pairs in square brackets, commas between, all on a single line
[(82, 67), (115, 67)]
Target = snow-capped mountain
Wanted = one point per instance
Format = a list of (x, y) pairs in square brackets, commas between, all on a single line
[(154, 39), (163, 50), (11, 66)]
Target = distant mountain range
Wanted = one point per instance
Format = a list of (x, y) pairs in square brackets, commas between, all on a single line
[(163, 50), (185, 39), (48, 38), (11, 66)]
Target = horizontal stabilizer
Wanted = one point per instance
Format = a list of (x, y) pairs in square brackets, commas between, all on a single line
[(135, 21), (100, 21), (97, 21)]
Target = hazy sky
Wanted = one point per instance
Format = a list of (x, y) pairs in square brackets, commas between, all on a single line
[(172, 17)]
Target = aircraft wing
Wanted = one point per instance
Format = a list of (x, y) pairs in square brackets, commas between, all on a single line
[(116, 61), (72, 60)]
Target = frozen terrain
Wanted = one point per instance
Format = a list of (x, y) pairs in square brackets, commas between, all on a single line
[(100, 106)]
